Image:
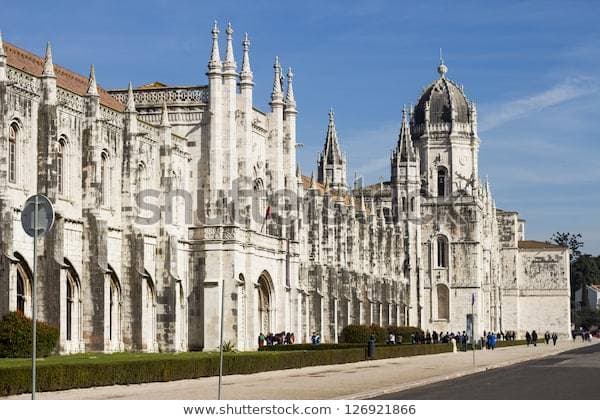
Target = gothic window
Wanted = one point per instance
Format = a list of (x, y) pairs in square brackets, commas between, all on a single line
[(442, 181), (443, 301), (442, 252), (13, 131), (60, 167), (403, 203), (20, 293), (412, 204), (104, 178)]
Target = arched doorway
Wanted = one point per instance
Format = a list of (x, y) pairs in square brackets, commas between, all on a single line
[(148, 314), (71, 316), (265, 303), (113, 312)]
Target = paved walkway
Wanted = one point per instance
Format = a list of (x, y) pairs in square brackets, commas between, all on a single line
[(348, 381)]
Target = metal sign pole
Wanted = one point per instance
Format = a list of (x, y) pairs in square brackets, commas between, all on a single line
[(33, 306), (221, 339)]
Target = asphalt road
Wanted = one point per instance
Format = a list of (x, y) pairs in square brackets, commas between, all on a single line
[(573, 374)]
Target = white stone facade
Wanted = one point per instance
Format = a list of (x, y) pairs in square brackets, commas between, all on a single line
[(164, 193)]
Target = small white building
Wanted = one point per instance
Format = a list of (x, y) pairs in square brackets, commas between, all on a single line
[(593, 297)]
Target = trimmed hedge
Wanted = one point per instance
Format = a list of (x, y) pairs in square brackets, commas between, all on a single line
[(362, 333), (16, 336), (101, 372)]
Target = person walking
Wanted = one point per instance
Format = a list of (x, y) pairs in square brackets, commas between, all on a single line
[(261, 340), (554, 338), (528, 338), (534, 338), (547, 337)]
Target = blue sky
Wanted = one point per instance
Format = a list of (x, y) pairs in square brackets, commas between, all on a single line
[(531, 67)]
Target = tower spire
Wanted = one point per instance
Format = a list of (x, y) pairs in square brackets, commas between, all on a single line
[(246, 73), (332, 162), (48, 64), (405, 145), (290, 100), (3, 76), (276, 94), (229, 63), (130, 99), (215, 59), (92, 86)]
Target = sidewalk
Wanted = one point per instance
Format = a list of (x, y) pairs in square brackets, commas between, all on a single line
[(348, 381)]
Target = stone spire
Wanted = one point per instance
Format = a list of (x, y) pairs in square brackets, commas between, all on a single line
[(313, 185), (332, 146), (92, 86), (130, 100), (3, 76), (332, 163), (246, 73), (214, 64), (405, 144), (48, 64), (290, 100), (277, 94), (229, 65), (164, 117)]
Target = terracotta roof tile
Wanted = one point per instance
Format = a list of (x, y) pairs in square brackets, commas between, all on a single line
[(28, 62), (538, 245)]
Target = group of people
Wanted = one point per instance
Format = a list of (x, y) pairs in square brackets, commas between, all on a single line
[(532, 337), (275, 339), (585, 334)]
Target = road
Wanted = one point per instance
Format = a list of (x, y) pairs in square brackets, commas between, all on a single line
[(574, 374)]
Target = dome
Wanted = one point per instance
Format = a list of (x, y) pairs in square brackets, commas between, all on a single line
[(443, 95)]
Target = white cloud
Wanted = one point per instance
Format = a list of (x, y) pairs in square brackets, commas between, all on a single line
[(570, 89)]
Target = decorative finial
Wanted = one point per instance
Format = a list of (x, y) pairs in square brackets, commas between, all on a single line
[(246, 73), (276, 94), (48, 64), (2, 53), (130, 99), (92, 86), (290, 100), (229, 59), (331, 115), (164, 118), (215, 58), (442, 69)]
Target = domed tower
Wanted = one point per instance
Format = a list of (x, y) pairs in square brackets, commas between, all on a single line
[(444, 129)]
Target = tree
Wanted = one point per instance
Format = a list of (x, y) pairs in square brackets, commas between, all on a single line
[(584, 272), (570, 240)]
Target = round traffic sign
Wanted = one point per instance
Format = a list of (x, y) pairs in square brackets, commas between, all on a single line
[(45, 215)]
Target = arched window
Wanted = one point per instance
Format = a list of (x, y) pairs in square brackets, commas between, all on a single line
[(104, 178), (69, 307), (13, 131), (60, 167), (412, 204), (403, 203), (142, 177), (442, 181), (443, 301), (442, 252), (20, 293)]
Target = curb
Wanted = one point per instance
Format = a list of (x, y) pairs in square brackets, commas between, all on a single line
[(442, 378)]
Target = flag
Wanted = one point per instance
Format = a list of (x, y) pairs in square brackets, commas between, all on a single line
[(472, 299)]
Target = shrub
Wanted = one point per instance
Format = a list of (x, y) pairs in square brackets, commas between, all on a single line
[(121, 369), (16, 334), (361, 333)]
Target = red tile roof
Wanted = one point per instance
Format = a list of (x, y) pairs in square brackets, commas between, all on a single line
[(539, 245), (28, 62)]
